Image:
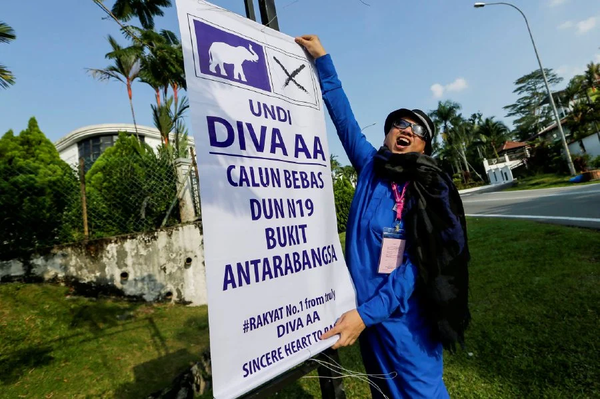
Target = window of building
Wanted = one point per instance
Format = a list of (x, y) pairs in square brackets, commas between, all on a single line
[(91, 148)]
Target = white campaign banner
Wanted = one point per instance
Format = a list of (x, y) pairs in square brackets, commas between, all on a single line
[(275, 270)]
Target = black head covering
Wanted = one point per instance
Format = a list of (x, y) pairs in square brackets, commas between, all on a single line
[(416, 115)]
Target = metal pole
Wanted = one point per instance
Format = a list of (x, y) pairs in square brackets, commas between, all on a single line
[(268, 14), (330, 380), (250, 9), (86, 233), (554, 110)]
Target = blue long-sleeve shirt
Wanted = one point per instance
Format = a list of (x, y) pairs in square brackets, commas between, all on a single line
[(397, 342), (379, 295)]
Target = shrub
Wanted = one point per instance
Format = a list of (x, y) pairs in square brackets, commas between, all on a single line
[(37, 192), (595, 163), (581, 162), (130, 189), (343, 193)]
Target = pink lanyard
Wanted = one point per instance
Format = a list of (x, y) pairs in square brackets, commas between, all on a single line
[(399, 198)]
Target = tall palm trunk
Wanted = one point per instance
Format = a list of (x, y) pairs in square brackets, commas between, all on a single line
[(495, 151), (130, 94), (464, 157), (157, 91), (175, 89)]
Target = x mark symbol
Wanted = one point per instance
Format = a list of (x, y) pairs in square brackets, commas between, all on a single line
[(291, 76)]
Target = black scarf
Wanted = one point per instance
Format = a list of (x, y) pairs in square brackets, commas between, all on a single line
[(434, 221)]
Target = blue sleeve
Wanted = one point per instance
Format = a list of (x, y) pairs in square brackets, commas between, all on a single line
[(358, 149), (392, 296)]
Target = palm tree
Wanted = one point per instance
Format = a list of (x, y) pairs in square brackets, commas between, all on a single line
[(445, 113), (167, 121), (460, 136), (149, 75), (7, 34), (592, 76), (144, 10), (583, 114), (126, 69), (495, 133), (162, 61)]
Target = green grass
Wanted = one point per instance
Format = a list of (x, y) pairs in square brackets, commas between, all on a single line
[(52, 345), (545, 181), (535, 300)]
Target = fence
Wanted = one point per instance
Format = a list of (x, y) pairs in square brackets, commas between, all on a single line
[(60, 204)]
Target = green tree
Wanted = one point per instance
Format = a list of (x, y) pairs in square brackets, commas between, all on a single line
[(531, 115), (445, 115), (592, 76), (348, 172), (336, 167), (162, 60), (129, 189), (126, 68), (495, 133), (343, 193), (168, 119), (7, 34), (144, 10), (581, 93), (38, 191)]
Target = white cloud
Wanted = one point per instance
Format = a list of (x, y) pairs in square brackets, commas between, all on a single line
[(568, 71), (554, 3), (566, 25), (438, 90), (586, 25), (458, 85), (597, 58)]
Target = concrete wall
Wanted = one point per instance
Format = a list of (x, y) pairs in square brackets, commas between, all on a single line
[(165, 264), (501, 173), (591, 144)]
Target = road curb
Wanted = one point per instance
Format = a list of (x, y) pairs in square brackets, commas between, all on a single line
[(486, 189)]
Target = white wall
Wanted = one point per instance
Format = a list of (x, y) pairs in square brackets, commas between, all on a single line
[(152, 142), (591, 143), (155, 264), (70, 155), (500, 173)]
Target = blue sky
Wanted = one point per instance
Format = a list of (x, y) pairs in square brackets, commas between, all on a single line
[(390, 54)]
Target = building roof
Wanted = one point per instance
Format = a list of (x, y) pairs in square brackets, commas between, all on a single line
[(547, 129), (511, 145), (555, 94), (107, 128)]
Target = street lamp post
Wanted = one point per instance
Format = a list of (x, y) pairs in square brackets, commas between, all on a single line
[(364, 127), (555, 111)]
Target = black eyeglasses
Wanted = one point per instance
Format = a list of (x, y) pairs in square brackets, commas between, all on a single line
[(417, 129)]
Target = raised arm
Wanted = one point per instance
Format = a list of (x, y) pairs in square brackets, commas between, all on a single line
[(358, 149)]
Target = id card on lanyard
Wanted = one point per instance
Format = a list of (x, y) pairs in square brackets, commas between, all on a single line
[(394, 242)]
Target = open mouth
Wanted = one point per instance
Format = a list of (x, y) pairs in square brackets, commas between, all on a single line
[(402, 142)]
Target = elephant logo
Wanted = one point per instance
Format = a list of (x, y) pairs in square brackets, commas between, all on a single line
[(221, 53), (231, 57)]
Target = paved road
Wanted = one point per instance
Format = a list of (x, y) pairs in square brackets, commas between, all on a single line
[(574, 206)]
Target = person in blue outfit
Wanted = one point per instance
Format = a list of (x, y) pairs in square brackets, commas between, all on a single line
[(406, 248)]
